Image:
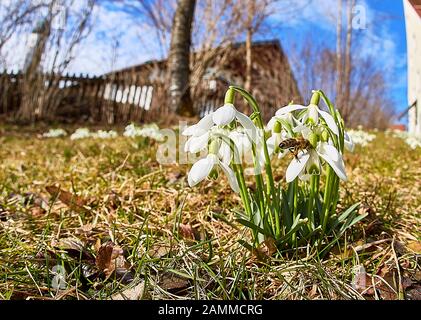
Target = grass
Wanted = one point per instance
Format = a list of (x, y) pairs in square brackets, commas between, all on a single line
[(182, 243)]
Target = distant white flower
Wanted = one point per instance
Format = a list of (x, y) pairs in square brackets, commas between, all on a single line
[(410, 139), (101, 134), (55, 133), (150, 131), (359, 137), (202, 168), (348, 142), (81, 133)]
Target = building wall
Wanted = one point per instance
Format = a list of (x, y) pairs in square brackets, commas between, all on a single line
[(413, 36), (273, 83)]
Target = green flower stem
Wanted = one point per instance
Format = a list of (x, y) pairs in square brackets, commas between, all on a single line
[(252, 102), (314, 190), (238, 168), (327, 197), (243, 188), (295, 209), (260, 186)]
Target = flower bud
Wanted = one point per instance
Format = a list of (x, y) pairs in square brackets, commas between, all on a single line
[(325, 136), (315, 98), (229, 96), (313, 114), (277, 127), (313, 138), (214, 147), (313, 165)]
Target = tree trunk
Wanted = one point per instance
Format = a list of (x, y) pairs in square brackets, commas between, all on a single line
[(249, 39), (339, 56), (179, 58), (32, 82), (347, 74)]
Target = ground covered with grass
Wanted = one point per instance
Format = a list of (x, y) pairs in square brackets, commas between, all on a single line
[(102, 219)]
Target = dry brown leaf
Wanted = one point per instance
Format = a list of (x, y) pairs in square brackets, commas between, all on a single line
[(271, 246), (173, 177), (159, 250), (110, 260), (134, 293), (69, 199), (414, 246), (414, 293), (37, 211), (74, 248), (186, 231), (362, 282), (173, 283), (112, 200)]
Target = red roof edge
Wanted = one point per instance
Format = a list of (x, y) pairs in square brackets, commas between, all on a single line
[(417, 6)]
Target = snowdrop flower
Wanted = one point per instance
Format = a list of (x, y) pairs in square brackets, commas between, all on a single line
[(358, 137), (196, 144), (308, 162), (150, 131), (227, 114), (54, 133), (204, 167), (80, 133), (101, 134), (312, 112), (199, 139), (348, 142), (200, 128), (242, 144), (410, 139), (199, 134)]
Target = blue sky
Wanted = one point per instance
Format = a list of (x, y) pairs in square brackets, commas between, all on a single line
[(384, 37)]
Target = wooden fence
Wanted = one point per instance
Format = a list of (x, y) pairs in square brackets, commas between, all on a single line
[(114, 98)]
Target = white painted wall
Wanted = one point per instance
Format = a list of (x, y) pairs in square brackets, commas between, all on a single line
[(413, 38)]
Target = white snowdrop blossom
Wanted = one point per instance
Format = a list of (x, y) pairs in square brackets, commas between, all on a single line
[(80, 133), (55, 133), (151, 131), (309, 160), (411, 140), (102, 134), (84, 133), (312, 113), (242, 144), (228, 113), (315, 140), (359, 137), (200, 128), (349, 142), (203, 167)]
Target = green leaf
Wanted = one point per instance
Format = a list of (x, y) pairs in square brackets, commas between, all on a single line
[(287, 214), (347, 212), (246, 245), (295, 227), (251, 226)]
